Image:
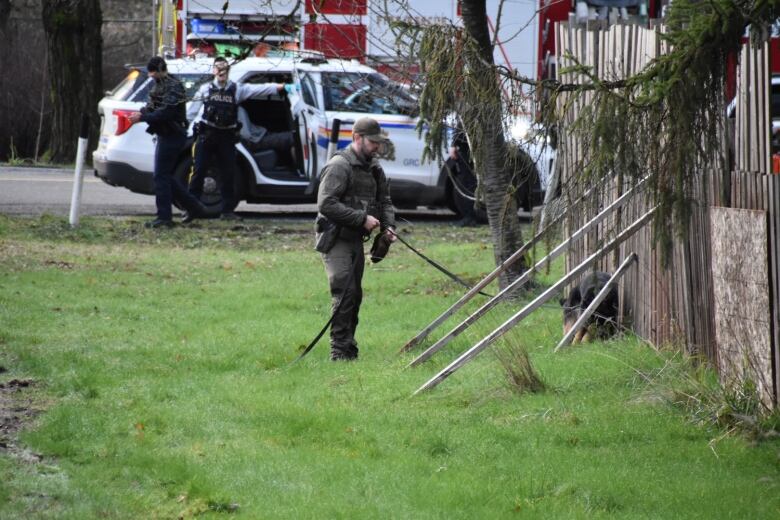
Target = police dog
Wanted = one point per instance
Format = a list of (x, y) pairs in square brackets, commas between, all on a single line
[(603, 322)]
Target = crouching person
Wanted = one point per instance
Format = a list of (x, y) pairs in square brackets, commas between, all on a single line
[(352, 200), (603, 322)]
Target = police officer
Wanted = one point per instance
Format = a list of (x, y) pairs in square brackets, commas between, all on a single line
[(354, 195), (215, 111), (165, 113)]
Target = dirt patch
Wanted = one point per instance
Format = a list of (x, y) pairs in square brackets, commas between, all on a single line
[(58, 263), (16, 410)]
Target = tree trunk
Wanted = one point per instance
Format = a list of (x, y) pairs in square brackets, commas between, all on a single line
[(75, 49), (482, 123), (5, 13)]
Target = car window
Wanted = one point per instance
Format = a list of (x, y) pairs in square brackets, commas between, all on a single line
[(775, 101), (128, 85), (366, 93), (268, 77), (191, 84), (308, 90)]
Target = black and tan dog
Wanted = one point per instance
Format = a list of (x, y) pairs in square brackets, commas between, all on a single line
[(603, 322)]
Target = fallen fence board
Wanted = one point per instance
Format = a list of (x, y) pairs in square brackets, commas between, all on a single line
[(522, 279), (536, 303)]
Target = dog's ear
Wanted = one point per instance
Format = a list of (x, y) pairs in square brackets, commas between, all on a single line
[(575, 297)]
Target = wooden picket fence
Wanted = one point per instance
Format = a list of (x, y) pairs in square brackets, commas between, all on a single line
[(690, 301)]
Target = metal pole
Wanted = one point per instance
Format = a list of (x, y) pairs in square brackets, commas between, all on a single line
[(476, 289), (154, 27)]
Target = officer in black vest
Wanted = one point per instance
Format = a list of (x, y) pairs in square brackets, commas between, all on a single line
[(217, 127), (166, 115)]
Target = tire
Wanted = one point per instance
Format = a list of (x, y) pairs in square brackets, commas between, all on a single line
[(526, 195), (211, 197)]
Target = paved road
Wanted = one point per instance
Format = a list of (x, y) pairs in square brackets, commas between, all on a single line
[(34, 191)]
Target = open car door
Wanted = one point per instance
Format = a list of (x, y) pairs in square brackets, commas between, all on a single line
[(315, 122)]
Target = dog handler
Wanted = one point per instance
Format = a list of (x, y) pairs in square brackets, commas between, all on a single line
[(354, 196)]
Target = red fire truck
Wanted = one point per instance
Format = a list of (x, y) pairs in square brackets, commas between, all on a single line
[(344, 29)]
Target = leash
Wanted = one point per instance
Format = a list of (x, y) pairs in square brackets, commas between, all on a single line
[(332, 315), (438, 266), (441, 268)]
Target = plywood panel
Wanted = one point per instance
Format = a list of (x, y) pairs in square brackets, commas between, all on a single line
[(741, 297)]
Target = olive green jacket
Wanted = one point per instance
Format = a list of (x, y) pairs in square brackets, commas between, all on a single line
[(349, 191)]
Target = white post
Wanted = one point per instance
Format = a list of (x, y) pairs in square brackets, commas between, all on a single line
[(78, 177)]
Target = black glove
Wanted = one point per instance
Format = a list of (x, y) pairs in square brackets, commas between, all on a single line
[(380, 247)]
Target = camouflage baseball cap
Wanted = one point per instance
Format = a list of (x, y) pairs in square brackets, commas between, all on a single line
[(370, 129)]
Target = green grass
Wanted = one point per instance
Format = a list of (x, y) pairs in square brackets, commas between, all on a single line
[(163, 362)]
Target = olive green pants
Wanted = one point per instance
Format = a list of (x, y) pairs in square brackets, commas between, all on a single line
[(345, 257)]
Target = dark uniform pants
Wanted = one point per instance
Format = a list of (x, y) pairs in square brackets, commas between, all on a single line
[(166, 187), (340, 261), (280, 142), (219, 145)]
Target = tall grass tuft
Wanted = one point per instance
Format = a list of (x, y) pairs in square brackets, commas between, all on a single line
[(689, 384), (520, 374)]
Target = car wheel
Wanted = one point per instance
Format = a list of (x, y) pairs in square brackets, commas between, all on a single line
[(463, 183), (211, 197)]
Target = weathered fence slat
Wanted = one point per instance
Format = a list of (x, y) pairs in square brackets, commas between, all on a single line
[(773, 193)]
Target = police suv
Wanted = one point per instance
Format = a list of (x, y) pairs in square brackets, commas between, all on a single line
[(329, 90)]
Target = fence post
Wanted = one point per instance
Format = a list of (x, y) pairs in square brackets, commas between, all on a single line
[(78, 177)]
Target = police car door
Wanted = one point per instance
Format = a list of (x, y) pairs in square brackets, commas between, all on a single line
[(351, 94), (315, 124)]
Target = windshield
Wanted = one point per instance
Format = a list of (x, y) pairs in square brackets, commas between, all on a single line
[(128, 85), (191, 83), (366, 93)]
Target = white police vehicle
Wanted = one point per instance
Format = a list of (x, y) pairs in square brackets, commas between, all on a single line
[(329, 89)]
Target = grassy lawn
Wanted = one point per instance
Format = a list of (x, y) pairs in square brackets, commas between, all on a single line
[(160, 364)]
